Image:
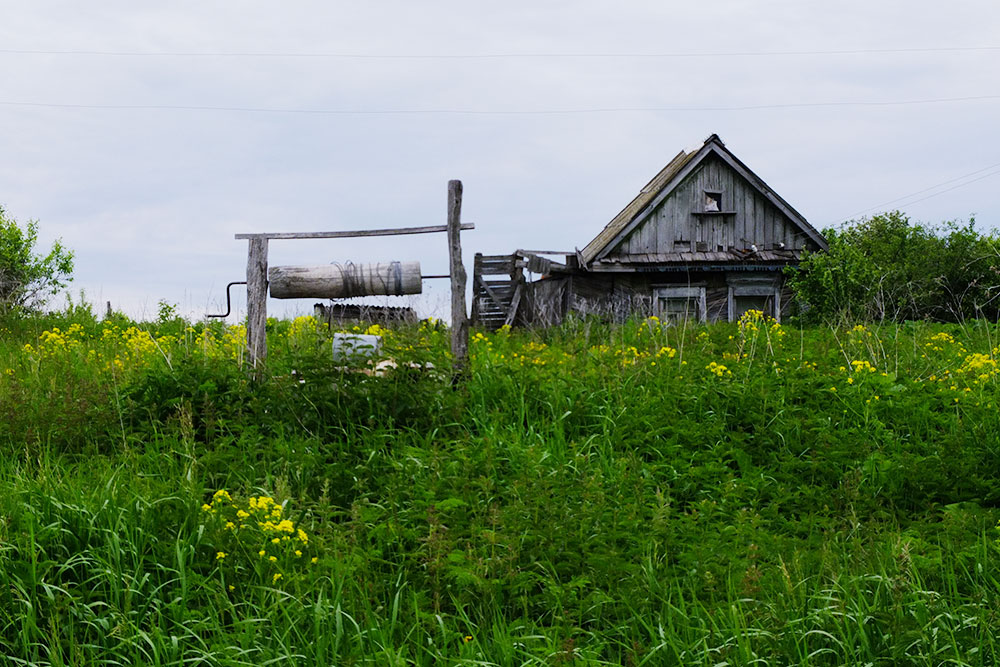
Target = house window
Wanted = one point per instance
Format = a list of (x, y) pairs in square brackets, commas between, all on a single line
[(753, 293), (713, 201), (677, 304), (745, 302)]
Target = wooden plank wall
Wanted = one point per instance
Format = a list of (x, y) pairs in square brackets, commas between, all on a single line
[(617, 297), (672, 227), (545, 302)]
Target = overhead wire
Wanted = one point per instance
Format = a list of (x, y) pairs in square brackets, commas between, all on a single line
[(501, 112), (908, 198), (484, 56), (541, 55)]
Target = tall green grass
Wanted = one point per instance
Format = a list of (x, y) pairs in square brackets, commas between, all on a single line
[(592, 494)]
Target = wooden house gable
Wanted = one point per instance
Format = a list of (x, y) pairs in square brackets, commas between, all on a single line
[(714, 209), (706, 201)]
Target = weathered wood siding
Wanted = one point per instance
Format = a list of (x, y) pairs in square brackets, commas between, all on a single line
[(674, 226), (615, 297)]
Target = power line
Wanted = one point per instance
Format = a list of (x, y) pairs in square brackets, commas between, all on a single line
[(499, 112), (486, 56), (929, 189)]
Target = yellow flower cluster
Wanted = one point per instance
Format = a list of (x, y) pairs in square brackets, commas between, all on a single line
[(55, 342), (862, 365), (751, 320), (944, 342), (631, 355), (525, 359), (718, 369), (231, 345), (303, 326), (982, 366), (257, 526), (754, 322), (129, 348)]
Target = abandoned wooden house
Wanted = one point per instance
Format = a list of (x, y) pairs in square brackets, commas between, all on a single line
[(705, 239)]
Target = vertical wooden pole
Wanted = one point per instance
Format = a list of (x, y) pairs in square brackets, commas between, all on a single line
[(257, 301), (459, 321)]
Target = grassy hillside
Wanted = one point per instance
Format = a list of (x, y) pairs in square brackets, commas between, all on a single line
[(639, 495)]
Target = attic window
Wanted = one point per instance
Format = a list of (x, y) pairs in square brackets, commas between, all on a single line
[(713, 201)]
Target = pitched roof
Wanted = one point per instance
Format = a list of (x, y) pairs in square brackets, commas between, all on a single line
[(669, 178)]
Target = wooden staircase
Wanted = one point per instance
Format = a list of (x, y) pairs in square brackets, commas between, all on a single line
[(497, 287)]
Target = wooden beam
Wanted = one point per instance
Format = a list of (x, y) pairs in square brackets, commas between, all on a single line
[(477, 264), (514, 303), (397, 231), (479, 282), (257, 301)]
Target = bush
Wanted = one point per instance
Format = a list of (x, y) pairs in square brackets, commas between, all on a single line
[(887, 268), (27, 279)]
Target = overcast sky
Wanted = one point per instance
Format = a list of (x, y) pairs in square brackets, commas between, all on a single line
[(146, 135)]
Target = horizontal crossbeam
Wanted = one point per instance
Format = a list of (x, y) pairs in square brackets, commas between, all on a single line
[(398, 231)]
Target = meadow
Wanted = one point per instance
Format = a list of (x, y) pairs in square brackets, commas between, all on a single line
[(750, 493)]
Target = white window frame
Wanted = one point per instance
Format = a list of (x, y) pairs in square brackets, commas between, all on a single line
[(687, 292)]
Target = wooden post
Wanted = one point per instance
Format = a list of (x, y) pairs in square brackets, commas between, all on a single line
[(459, 321), (257, 301)]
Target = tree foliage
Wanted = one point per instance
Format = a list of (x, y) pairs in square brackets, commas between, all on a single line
[(888, 268), (28, 279)]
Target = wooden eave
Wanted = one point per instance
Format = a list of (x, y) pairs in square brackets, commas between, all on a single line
[(697, 261)]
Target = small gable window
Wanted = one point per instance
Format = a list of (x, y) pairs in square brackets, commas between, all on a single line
[(713, 201)]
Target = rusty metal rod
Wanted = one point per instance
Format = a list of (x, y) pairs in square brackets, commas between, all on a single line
[(229, 306)]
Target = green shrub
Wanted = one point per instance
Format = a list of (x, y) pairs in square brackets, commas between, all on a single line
[(887, 268), (27, 279)]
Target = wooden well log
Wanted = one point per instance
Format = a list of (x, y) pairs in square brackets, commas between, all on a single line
[(340, 281)]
